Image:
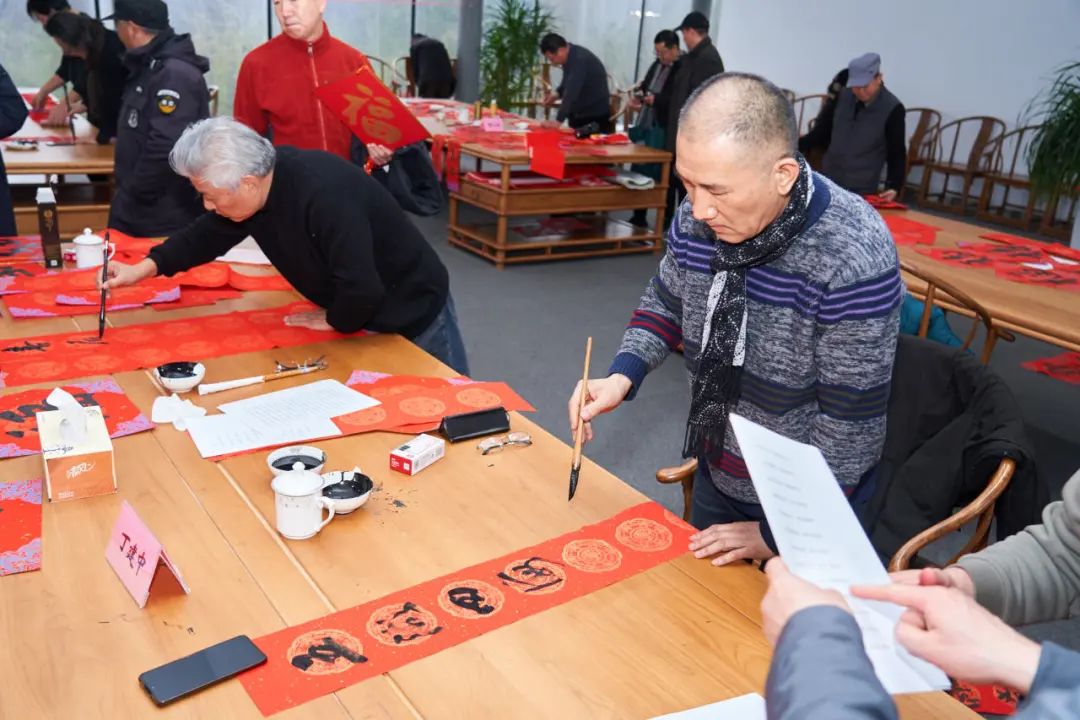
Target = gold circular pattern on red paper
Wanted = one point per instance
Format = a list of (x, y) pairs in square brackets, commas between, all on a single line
[(643, 535), (150, 357), (294, 336), (422, 407), (271, 318), (591, 555), (533, 576), (177, 329), (315, 638), (401, 625), (130, 335), (475, 599), (225, 323), (478, 398), (41, 370), (246, 342), (41, 299), (196, 349), (393, 390), (98, 363), (677, 521), (363, 418)]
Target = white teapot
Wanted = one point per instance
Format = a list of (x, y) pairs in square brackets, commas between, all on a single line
[(299, 503)]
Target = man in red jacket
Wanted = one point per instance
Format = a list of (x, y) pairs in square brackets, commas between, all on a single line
[(275, 89)]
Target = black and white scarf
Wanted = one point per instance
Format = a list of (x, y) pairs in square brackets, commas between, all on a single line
[(723, 340)]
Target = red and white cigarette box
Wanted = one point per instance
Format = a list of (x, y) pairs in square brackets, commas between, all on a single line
[(415, 455)]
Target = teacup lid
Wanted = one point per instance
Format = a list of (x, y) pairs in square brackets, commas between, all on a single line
[(297, 482), (88, 238)]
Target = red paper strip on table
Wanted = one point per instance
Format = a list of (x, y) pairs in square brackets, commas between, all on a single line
[(1037, 276), (243, 281), (21, 249), (64, 356), (545, 155), (986, 699), (20, 532), (18, 414), (880, 203), (333, 652), (38, 116), (1057, 249), (372, 112), (199, 297), (1064, 367), (910, 232), (959, 257), (999, 252)]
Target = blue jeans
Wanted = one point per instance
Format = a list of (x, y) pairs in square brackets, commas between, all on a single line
[(442, 339)]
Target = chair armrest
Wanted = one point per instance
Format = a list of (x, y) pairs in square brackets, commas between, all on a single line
[(678, 474)]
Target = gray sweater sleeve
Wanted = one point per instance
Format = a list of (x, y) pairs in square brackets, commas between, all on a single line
[(1055, 693), (1034, 576), (820, 671)]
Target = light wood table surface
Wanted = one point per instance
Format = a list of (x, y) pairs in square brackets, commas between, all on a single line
[(680, 635), (80, 159), (1048, 314)]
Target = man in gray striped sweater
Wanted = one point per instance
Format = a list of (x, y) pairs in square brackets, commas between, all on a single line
[(784, 290)]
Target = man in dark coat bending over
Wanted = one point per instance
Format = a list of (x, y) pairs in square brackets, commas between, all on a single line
[(335, 233)]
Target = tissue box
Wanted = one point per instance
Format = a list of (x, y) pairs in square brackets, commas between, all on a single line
[(77, 470), (415, 455)]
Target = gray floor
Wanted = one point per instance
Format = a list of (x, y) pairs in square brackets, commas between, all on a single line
[(527, 325)]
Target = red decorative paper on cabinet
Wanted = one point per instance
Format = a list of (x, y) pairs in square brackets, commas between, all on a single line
[(333, 652)]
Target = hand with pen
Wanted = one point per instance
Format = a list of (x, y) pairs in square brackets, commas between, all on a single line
[(603, 396), (121, 275)]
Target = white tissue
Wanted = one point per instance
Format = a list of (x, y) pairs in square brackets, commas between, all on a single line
[(72, 416), (173, 410)]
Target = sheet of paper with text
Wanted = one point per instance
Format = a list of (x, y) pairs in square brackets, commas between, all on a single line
[(822, 542)]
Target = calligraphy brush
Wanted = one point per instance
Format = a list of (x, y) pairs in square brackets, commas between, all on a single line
[(207, 388), (579, 438), (71, 119), (104, 292)]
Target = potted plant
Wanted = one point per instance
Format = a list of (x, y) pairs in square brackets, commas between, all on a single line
[(1054, 153), (510, 51)]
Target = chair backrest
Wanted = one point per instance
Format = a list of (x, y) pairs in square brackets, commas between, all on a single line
[(981, 130), (925, 124), (1008, 151), (807, 108), (214, 92), (388, 75), (937, 291)]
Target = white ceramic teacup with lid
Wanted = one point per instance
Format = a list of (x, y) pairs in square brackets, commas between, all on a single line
[(299, 503), (89, 249)]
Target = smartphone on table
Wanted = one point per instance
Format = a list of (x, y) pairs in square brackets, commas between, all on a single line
[(182, 677)]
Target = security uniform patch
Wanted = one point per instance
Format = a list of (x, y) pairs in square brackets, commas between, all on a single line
[(167, 101)]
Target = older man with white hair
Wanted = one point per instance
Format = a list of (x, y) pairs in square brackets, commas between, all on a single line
[(785, 291), (335, 233)]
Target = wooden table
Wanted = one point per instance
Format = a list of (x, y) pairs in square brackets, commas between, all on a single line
[(679, 635), (80, 204), (598, 235), (1047, 314)]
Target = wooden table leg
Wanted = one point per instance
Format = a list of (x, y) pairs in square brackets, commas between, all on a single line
[(453, 210), (500, 242), (665, 180)]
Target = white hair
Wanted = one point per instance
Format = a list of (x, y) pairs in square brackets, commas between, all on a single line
[(221, 151)]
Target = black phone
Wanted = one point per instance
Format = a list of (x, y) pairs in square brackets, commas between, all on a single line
[(182, 677), (475, 424)]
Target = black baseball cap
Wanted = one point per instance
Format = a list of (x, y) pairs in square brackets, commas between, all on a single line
[(695, 21), (150, 14)]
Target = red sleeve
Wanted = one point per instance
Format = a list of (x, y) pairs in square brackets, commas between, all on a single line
[(245, 101)]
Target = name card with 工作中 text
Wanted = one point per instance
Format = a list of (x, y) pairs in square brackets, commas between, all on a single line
[(136, 556)]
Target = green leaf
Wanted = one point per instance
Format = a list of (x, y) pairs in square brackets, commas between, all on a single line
[(1054, 153), (510, 51)]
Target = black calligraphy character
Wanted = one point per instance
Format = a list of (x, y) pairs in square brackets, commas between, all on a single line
[(142, 561), (86, 341), (328, 652), (469, 598), (13, 271), (530, 574), (124, 542), (28, 346), (131, 554)]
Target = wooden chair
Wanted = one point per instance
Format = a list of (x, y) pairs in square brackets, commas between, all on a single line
[(389, 76), (214, 92), (807, 108), (948, 297), (925, 123), (949, 161), (982, 507), (1009, 151), (1060, 227)]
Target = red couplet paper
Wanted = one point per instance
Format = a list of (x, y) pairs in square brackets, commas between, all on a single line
[(1064, 367), (47, 358), (20, 526), (1000, 252), (880, 203), (910, 232), (372, 112), (959, 257), (986, 699), (134, 554), (319, 657), (39, 116), (18, 414), (21, 249), (1036, 276), (545, 155)]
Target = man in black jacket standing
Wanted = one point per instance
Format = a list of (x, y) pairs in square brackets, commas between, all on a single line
[(700, 63), (12, 116), (584, 87), (165, 93), (432, 70), (335, 234)]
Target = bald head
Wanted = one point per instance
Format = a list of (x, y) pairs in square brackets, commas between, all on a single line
[(746, 109)]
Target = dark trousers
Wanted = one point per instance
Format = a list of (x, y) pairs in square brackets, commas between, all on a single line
[(605, 124), (713, 507)]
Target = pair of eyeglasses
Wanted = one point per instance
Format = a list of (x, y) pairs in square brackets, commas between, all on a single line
[(319, 362), (490, 445)]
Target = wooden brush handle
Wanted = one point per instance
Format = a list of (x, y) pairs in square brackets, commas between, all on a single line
[(579, 439)]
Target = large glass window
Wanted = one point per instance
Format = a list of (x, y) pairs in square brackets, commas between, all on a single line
[(26, 52), (609, 29), (380, 30), (659, 15)]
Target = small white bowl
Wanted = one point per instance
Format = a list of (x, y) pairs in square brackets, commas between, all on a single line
[(351, 483), (307, 452), (197, 371)]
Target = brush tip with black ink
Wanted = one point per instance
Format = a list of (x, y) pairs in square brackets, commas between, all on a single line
[(573, 482)]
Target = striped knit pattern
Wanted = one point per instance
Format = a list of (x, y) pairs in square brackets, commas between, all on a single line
[(822, 323)]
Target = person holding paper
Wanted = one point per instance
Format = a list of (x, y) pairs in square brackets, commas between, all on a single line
[(275, 88), (334, 232), (820, 668), (784, 290)]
